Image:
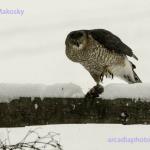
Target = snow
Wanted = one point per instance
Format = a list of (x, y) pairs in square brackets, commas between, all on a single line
[(134, 91), (12, 91), (9, 92), (86, 136)]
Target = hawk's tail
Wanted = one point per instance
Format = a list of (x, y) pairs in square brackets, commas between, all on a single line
[(136, 78)]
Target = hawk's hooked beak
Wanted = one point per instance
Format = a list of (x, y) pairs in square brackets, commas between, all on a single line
[(72, 42)]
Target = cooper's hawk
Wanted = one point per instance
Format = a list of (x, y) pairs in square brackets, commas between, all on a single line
[(102, 54)]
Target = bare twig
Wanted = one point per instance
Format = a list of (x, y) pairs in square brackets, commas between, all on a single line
[(45, 142)]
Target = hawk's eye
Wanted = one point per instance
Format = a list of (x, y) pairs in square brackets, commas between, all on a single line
[(76, 35)]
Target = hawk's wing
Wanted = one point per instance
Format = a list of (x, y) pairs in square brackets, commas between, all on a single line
[(111, 42)]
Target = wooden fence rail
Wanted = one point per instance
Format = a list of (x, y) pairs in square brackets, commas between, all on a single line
[(24, 111)]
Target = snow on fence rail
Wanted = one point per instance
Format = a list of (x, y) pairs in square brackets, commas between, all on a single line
[(112, 91), (12, 91), (23, 105)]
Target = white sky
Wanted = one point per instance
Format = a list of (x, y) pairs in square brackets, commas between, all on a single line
[(32, 48)]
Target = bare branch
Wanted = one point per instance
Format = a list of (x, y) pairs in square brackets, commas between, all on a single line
[(47, 141)]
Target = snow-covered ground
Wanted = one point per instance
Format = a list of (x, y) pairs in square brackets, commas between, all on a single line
[(89, 137)]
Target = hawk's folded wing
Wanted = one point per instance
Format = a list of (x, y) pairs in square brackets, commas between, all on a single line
[(111, 42)]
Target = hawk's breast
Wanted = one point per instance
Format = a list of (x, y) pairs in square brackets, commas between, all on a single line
[(99, 57)]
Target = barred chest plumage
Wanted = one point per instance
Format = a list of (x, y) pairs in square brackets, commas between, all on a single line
[(99, 57)]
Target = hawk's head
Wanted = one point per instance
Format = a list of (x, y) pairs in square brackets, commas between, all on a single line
[(76, 42)]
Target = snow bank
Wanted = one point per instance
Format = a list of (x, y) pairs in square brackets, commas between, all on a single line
[(135, 91), (111, 91), (87, 136), (12, 91)]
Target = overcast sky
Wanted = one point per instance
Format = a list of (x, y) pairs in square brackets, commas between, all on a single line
[(32, 48)]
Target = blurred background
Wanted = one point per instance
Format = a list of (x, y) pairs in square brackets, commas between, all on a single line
[(32, 48)]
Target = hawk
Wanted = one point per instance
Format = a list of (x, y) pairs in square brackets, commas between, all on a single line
[(103, 54)]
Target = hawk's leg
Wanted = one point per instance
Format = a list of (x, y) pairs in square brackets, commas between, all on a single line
[(106, 72), (111, 74)]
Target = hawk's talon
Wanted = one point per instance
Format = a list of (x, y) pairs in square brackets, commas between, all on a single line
[(111, 74), (107, 72), (102, 77)]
